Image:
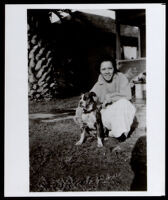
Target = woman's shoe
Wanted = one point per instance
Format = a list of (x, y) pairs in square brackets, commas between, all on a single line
[(122, 138)]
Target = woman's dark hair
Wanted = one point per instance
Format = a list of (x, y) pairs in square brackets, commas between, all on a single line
[(108, 58)]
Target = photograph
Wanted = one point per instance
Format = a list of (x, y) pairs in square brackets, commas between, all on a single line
[(87, 94)]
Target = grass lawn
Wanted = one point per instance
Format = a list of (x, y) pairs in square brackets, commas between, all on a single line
[(56, 164)]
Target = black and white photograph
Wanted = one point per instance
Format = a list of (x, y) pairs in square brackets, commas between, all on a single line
[(86, 97), (87, 100)]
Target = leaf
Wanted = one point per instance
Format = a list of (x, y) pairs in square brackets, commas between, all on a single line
[(39, 64)]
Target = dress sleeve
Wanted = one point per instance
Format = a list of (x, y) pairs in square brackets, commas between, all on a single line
[(123, 89)]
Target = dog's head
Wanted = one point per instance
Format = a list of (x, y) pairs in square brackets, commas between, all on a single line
[(88, 101)]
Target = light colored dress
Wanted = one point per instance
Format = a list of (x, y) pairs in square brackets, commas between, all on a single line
[(118, 116)]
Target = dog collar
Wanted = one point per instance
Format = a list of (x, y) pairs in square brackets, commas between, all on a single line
[(88, 111)]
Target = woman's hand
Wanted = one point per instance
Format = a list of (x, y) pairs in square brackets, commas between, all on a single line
[(104, 105), (107, 101), (108, 98)]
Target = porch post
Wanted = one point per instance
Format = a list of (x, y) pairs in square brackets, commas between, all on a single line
[(118, 49), (139, 42)]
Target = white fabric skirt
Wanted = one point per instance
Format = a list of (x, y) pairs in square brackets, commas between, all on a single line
[(118, 117)]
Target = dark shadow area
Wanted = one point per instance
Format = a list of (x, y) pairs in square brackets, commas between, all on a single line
[(133, 126), (139, 165)]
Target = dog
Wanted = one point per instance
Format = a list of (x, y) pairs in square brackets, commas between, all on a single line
[(88, 117)]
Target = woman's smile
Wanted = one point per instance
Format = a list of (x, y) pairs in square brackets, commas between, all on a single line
[(107, 70), (107, 76)]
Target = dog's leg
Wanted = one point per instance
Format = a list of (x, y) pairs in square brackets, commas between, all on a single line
[(82, 137), (99, 135), (106, 131), (100, 130), (99, 142)]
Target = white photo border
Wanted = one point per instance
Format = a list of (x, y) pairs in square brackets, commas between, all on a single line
[(16, 99)]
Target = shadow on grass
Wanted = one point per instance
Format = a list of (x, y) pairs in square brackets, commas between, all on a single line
[(133, 126)]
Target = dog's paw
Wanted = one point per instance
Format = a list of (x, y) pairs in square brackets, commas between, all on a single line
[(99, 144), (78, 143)]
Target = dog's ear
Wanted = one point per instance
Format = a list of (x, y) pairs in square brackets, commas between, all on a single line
[(93, 95), (81, 95)]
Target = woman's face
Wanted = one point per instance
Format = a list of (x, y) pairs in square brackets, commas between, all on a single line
[(107, 70)]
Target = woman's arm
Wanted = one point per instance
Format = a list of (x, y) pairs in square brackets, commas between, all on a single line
[(124, 90)]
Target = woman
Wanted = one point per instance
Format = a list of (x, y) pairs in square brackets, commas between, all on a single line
[(114, 93)]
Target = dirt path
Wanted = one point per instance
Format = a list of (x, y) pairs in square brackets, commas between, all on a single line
[(69, 114)]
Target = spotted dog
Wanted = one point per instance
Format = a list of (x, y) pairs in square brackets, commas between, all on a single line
[(88, 117)]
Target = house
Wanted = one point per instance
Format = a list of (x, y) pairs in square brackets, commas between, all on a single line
[(77, 39)]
